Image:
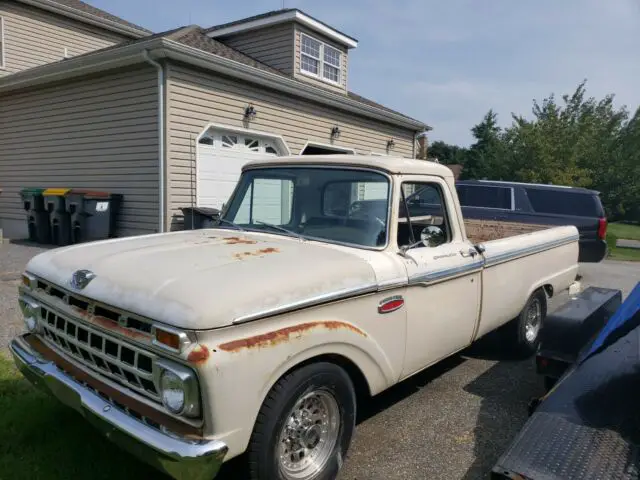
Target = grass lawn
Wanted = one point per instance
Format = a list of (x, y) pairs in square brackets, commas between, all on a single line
[(628, 232), (41, 439)]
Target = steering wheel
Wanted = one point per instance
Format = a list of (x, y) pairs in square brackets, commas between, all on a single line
[(356, 212)]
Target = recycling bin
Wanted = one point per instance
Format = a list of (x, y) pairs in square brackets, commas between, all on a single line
[(93, 214), (55, 200), (199, 217), (37, 216)]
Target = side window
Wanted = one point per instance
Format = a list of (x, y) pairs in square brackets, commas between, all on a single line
[(485, 196), (425, 215)]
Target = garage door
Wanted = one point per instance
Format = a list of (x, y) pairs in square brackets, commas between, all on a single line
[(221, 155)]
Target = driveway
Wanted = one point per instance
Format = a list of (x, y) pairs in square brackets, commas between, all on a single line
[(449, 422)]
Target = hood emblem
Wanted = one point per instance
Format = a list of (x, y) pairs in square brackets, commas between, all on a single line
[(81, 278)]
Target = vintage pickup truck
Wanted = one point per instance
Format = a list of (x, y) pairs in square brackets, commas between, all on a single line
[(319, 287)]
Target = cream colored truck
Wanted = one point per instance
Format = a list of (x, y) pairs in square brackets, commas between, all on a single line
[(315, 291)]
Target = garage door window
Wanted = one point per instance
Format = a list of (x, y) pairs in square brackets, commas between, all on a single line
[(239, 143)]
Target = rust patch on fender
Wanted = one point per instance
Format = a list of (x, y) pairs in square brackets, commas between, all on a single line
[(199, 355), (257, 253), (284, 335), (238, 240)]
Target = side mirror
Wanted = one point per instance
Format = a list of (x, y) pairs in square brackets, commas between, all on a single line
[(432, 236)]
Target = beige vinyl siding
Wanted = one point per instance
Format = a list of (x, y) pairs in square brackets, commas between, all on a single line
[(271, 45), (98, 132), (34, 37), (317, 81), (196, 99)]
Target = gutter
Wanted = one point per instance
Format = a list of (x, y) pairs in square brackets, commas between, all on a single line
[(161, 135)]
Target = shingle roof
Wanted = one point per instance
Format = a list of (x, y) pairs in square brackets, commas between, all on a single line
[(197, 38), (86, 8)]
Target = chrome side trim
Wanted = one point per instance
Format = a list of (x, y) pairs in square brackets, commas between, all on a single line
[(176, 456), (393, 283), (490, 261), (308, 302), (446, 274)]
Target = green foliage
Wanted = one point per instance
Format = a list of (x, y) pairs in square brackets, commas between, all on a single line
[(577, 141)]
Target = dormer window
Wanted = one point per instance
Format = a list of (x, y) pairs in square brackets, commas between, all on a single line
[(319, 59)]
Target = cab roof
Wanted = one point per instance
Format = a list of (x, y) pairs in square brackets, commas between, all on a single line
[(394, 165)]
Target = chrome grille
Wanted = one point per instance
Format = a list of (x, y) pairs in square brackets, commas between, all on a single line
[(106, 354), (85, 306)]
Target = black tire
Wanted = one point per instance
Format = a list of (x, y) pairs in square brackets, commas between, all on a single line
[(525, 347), (263, 454)]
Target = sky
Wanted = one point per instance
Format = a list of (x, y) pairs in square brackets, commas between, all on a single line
[(447, 62)]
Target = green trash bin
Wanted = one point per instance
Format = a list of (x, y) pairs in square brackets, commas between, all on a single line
[(60, 220), (93, 214), (37, 216)]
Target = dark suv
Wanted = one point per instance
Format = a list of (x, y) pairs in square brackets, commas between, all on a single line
[(542, 204)]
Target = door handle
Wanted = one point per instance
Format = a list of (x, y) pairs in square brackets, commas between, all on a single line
[(472, 252)]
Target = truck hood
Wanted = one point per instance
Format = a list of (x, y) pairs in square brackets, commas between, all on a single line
[(202, 279)]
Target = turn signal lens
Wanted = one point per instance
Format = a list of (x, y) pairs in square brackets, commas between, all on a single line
[(171, 340), (26, 280)]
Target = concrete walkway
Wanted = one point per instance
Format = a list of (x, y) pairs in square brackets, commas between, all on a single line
[(620, 242)]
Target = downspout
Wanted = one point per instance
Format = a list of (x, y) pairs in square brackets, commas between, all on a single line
[(161, 132)]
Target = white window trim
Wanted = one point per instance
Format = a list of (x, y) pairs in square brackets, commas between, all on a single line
[(3, 64), (320, 75)]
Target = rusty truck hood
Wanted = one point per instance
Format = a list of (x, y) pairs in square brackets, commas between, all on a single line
[(205, 279)]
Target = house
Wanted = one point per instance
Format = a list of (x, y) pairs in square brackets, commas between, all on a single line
[(168, 119)]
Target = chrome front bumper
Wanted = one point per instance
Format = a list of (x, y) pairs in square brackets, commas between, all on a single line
[(177, 457)]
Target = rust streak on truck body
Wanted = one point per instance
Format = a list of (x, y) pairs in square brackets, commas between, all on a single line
[(238, 240), (284, 334), (199, 355), (257, 253)]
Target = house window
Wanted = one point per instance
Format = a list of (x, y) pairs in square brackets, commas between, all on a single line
[(2, 42), (319, 59)]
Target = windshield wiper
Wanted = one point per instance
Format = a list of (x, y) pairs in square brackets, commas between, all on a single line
[(229, 222), (278, 227)]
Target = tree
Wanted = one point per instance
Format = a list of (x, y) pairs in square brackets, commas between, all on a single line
[(448, 154), (484, 154)]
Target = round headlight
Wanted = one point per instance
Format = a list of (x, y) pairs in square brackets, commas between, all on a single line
[(173, 391), (30, 313)]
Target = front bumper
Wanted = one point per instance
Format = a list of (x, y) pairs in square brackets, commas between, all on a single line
[(179, 458)]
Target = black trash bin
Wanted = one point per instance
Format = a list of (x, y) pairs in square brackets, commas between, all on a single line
[(37, 216), (93, 214), (55, 203), (199, 217)]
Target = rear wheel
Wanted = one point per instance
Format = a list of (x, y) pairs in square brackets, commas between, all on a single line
[(526, 327), (305, 425)]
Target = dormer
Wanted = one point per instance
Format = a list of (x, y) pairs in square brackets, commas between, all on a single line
[(294, 43)]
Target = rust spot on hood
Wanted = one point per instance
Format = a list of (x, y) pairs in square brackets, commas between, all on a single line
[(284, 335), (238, 240), (199, 355), (257, 253)]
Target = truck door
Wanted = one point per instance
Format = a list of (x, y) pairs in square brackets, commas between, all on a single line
[(444, 272)]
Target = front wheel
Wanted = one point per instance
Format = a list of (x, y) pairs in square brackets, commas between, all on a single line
[(305, 425)]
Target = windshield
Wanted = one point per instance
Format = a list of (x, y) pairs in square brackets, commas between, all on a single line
[(334, 204)]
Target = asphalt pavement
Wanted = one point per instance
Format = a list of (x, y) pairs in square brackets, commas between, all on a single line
[(451, 421)]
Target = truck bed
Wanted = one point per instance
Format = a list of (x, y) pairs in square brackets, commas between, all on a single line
[(486, 230)]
